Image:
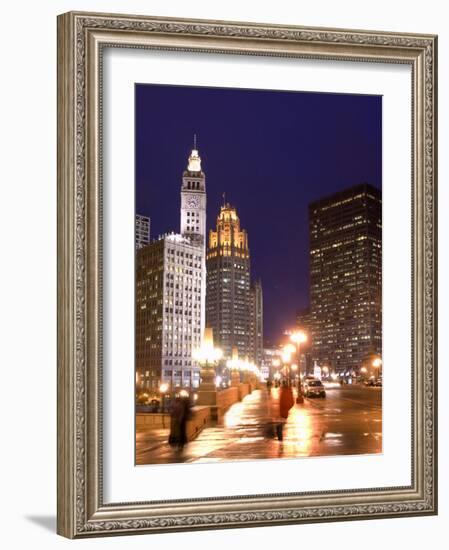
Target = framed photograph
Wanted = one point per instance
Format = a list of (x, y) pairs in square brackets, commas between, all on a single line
[(246, 274)]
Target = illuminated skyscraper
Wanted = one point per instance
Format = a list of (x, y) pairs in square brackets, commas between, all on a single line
[(228, 295), (168, 312), (346, 277), (170, 292), (193, 215)]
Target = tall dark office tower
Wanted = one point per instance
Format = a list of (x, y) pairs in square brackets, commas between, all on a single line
[(346, 277), (228, 284), (256, 323)]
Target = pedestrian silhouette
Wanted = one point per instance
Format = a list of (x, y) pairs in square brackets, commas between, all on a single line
[(180, 414), (286, 402)]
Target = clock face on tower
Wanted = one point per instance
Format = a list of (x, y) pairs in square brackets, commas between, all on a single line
[(193, 202)]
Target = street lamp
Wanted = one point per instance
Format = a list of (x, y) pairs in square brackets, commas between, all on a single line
[(275, 363), (249, 370), (235, 366), (163, 388), (287, 357), (207, 356), (377, 364), (294, 369), (298, 337), (289, 348)]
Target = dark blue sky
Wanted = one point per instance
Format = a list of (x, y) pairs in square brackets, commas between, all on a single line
[(272, 153)]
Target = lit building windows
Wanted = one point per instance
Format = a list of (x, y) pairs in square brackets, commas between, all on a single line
[(345, 306)]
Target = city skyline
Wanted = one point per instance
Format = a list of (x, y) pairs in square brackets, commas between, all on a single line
[(278, 243), (200, 291), (177, 298)]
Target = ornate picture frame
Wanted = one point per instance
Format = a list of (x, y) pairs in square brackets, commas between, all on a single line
[(82, 38)]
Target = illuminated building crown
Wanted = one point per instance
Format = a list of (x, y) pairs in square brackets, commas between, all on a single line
[(194, 164), (228, 237)]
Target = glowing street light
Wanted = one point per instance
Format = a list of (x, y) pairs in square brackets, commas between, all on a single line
[(298, 337), (253, 373), (289, 348), (234, 363), (286, 357), (377, 365), (235, 366), (274, 371), (163, 389), (207, 353), (207, 356), (246, 369)]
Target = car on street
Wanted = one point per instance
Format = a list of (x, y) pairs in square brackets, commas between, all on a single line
[(374, 383), (314, 388)]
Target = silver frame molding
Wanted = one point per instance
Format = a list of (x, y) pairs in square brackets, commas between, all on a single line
[(81, 39)]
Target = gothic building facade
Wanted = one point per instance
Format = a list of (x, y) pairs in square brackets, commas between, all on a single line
[(234, 308)]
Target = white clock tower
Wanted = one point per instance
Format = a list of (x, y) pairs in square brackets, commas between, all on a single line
[(193, 217), (193, 201)]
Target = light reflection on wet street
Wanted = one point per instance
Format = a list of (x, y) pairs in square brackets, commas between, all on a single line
[(347, 421)]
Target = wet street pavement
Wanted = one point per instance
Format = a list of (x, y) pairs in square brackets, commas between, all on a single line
[(348, 421)]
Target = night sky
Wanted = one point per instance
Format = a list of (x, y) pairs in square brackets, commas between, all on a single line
[(272, 153)]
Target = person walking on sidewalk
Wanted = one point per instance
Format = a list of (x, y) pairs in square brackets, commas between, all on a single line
[(286, 402), (180, 414)]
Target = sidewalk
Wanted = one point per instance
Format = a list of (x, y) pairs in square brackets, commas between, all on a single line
[(338, 424)]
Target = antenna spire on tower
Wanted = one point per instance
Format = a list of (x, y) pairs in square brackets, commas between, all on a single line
[(194, 141)]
